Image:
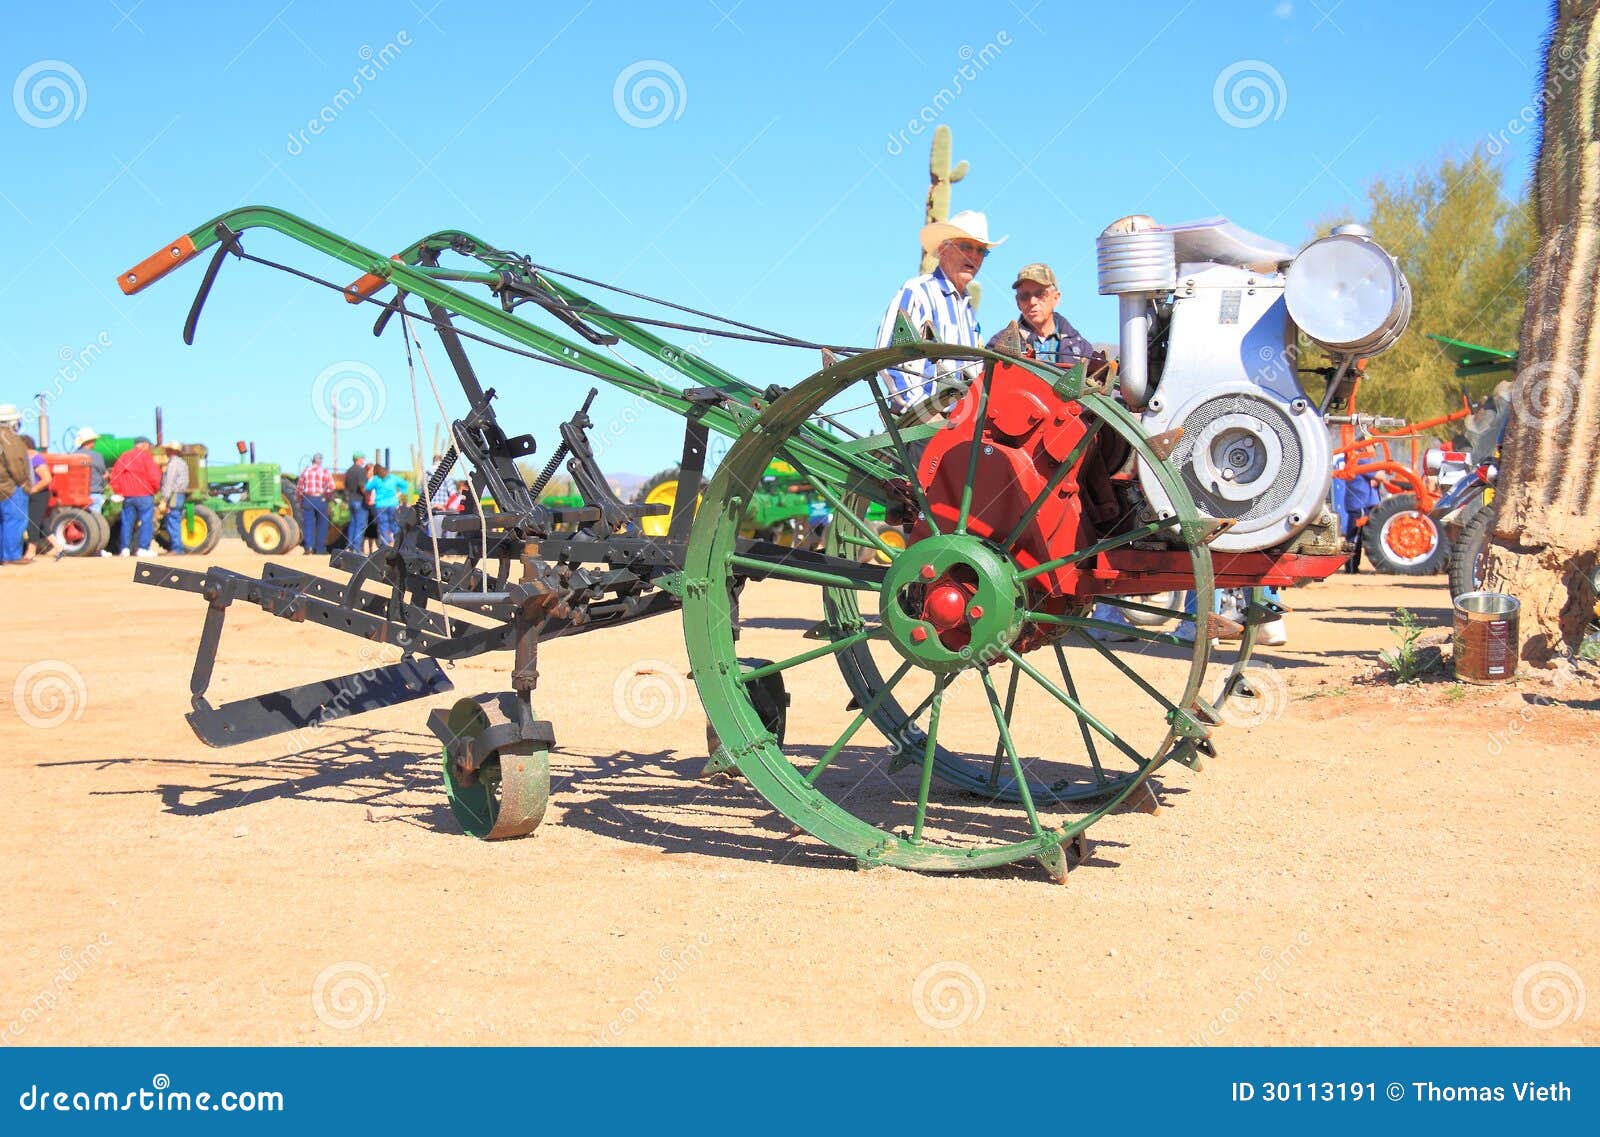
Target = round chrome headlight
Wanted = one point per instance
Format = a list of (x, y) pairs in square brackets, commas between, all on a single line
[(1348, 295)]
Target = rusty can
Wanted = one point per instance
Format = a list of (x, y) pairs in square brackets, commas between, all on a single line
[(1486, 636)]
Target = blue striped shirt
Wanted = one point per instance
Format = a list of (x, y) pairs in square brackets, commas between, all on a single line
[(938, 312)]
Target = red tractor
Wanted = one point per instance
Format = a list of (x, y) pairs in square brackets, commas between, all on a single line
[(76, 528)]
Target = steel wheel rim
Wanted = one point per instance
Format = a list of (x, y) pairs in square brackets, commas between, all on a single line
[(708, 630)]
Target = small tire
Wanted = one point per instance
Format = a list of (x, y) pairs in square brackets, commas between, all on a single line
[(1399, 538), (270, 535), (1467, 558), (102, 530), (201, 533), (73, 531), (662, 489)]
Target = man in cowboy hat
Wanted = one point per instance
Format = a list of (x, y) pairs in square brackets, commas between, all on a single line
[(85, 441), (938, 308), (1046, 335), (174, 492)]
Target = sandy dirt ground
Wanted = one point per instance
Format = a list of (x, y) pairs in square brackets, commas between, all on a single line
[(1366, 865)]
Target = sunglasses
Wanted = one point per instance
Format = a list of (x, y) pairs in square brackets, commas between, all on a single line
[(971, 249)]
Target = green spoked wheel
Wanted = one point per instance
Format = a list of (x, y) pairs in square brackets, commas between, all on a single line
[(972, 718)]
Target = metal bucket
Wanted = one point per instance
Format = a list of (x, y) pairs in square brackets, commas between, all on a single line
[(1486, 636)]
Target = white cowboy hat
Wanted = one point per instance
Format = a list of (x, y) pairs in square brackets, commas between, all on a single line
[(87, 434), (9, 413), (968, 225)]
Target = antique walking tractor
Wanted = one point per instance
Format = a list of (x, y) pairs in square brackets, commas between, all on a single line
[(956, 703)]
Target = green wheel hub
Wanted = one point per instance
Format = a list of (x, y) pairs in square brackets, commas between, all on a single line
[(950, 600)]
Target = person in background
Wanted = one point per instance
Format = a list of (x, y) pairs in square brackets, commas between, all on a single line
[(38, 540), (457, 501), (938, 307), (355, 496), (315, 487), (174, 493), (134, 480), (1354, 498), (97, 467), (438, 504), (1046, 334), (387, 493), (14, 481)]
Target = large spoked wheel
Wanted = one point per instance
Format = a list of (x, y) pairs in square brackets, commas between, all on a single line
[(960, 650)]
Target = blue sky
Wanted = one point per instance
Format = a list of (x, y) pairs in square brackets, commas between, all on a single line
[(775, 178)]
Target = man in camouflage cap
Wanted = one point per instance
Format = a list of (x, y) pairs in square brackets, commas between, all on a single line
[(1046, 334)]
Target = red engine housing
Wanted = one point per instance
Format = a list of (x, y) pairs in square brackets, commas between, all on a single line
[(1026, 433)]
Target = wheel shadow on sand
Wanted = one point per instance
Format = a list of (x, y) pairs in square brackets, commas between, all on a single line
[(660, 801), (654, 799)]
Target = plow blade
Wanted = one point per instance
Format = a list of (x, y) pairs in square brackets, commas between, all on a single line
[(316, 704)]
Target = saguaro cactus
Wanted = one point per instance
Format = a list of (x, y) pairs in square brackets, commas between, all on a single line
[(941, 176), (1547, 520)]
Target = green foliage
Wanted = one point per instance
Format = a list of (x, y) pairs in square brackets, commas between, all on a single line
[(1405, 660), (1466, 249)]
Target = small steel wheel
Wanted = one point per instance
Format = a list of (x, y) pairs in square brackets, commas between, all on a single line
[(507, 794)]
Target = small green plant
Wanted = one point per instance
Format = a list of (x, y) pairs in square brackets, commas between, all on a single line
[(1330, 693), (1590, 647), (1405, 661), (1456, 693)]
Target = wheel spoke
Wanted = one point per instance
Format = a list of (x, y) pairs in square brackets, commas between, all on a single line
[(1016, 763), (1087, 622), (849, 732), (1066, 467), (1076, 708), (972, 454), (799, 572), (999, 749), (928, 748), (840, 507), (1083, 727), (1138, 679), (1099, 547), (1137, 606), (815, 653), (905, 455)]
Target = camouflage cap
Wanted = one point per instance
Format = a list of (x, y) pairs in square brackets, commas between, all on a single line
[(1038, 273)]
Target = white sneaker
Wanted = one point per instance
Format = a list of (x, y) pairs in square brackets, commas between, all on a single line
[(147, 554), (107, 553), (124, 553), (1273, 633)]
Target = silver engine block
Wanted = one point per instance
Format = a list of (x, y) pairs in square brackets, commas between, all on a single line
[(1208, 347)]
